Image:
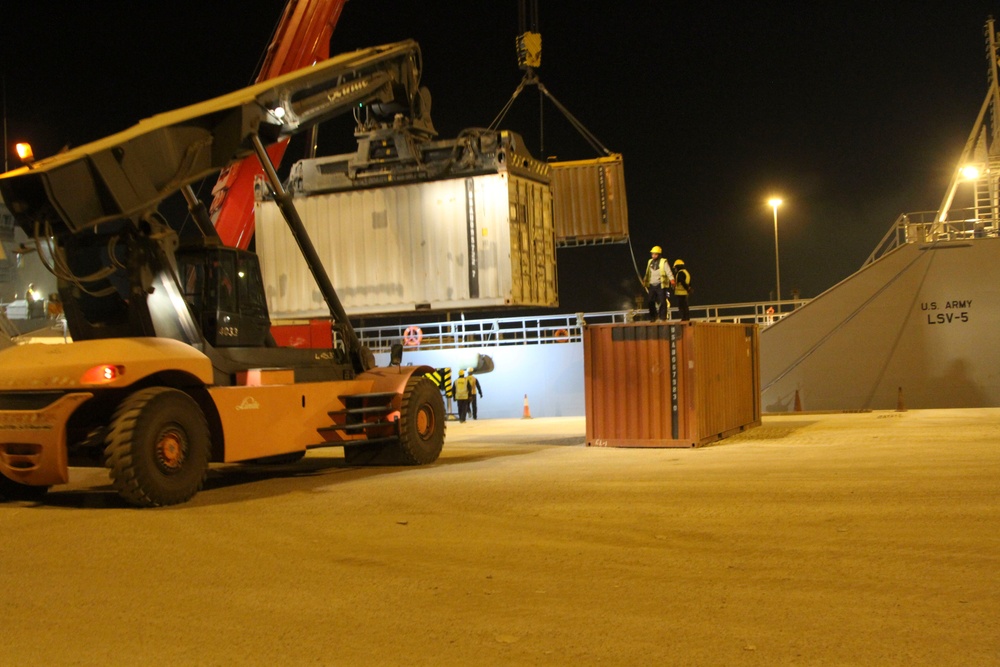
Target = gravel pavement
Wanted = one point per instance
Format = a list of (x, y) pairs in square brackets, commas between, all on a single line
[(814, 539)]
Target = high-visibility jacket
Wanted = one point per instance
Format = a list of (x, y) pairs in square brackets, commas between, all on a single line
[(683, 282), (462, 388), (661, 273)]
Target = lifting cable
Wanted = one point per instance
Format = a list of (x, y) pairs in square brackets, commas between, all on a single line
[(530, 79), (57, 265), (635, 265), (528, 16)]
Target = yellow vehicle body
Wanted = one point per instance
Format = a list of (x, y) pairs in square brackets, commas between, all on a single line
[(273, 419), (266, 414), (33, 442), (172, 365)]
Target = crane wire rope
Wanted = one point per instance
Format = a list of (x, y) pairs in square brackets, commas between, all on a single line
[(635, 265), (530, 79), (528, 17), (57, 265)]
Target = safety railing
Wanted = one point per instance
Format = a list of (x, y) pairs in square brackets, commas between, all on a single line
[(763, 313), (552, 329), (924, 227), (477, 333)]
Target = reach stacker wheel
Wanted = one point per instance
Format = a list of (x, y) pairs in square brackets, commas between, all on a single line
[(157, 448), (421, 422), (420, 430)]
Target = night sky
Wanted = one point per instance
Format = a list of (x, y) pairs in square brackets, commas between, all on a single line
[(851, 112)]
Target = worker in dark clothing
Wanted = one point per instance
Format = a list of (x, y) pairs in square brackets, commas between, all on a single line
[(657, 282), (682, 289), (474, 388)]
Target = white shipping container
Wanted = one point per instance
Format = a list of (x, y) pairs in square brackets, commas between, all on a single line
[(475, 242)]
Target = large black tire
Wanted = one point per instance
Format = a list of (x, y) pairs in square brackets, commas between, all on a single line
[(11, 490), (421, 422), (421, 430), (157, 448)]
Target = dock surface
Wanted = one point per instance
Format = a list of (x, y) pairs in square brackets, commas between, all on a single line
[(815, 539)]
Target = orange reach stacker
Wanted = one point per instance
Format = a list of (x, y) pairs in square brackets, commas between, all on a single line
[(172, 364)]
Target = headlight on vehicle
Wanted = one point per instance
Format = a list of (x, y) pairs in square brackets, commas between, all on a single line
[(102, 374)]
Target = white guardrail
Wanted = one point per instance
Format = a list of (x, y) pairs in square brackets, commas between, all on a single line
[(491, 332)]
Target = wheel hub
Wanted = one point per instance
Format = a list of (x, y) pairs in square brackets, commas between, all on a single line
[(170, 451), (425, 422)]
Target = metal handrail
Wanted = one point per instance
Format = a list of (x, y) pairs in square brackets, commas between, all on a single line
[(924, 227), (550, 329)]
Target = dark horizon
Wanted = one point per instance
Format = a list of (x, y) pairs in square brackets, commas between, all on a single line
[(852, 114)]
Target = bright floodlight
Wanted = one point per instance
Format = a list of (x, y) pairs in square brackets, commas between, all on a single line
[(24, 152), (774, 202), (970, 172)]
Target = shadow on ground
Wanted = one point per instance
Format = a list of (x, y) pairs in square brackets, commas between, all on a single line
[(255, 481)]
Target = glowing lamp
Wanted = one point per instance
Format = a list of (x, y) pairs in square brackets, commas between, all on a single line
[(102, 374), (970, 172), (24, 152)]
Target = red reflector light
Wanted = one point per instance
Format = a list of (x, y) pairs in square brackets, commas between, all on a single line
[(102, 374)]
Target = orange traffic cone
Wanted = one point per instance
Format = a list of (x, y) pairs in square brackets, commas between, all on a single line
[(527, 410)]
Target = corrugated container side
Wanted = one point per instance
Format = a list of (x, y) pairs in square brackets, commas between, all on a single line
[(726, 362), (438, 245), (589, 201), (669, 385), (532, 243)]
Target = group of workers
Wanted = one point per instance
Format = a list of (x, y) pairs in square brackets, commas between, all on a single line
[(466, 389), (660, 280)]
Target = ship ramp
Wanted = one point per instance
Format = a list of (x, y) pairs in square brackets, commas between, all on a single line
[(912, 329)]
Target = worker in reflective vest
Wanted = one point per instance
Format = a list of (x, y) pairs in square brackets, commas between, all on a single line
[(462, 396), (682, 288), (657, 282)]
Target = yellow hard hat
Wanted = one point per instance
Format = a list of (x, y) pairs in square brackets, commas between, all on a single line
[(657, 249), (461, 374), (679, 261)]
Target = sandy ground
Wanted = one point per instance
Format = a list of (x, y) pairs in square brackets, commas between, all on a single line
[(838, 539)]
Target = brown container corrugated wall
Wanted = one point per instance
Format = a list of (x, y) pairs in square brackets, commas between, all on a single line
[(532, 244), (589, 201), (674, 384)]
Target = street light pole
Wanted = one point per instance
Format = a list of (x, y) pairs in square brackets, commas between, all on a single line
[(775, 202)]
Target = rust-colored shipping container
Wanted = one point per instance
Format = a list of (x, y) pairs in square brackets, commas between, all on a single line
[(588, 201), (670, 384)]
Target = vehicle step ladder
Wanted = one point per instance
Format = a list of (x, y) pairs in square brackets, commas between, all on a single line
[(365, 419)]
